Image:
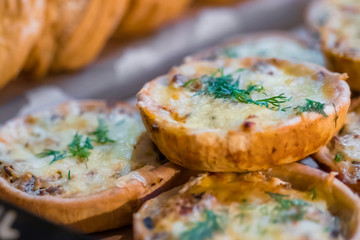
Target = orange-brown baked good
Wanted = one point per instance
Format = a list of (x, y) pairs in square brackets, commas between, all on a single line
[(75, 32), (87, 164), (292, 202), (145, 16), (20, 26), (342, 153), (243, 115)]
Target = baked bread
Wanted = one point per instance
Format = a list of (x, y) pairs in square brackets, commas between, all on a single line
[(243, 115), (342, 153), (75, 32), (20, 26), (88, 165), (219, 2), (145, 16), (290, 202), (338, 24), (263, 44)]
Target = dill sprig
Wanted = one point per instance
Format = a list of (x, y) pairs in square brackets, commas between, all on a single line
[(226, 87), (57, 155), (312, 106), (339, 157), (204, 229), (287, 209), (101, 133), (80, 148)]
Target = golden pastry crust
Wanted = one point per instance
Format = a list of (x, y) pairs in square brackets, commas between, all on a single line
[(247, 146), (75, 32), (20, 26), (277, 44), (340, 200), (145, 16), (103, 210)]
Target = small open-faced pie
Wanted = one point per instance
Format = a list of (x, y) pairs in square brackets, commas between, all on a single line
[(243, 115), (264, 44), (84, 164), (342, 153), (293, 202), (339, 27)]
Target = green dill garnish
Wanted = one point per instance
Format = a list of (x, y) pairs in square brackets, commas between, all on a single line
[(226, 87), (339, 157), (204, 229), (313, 193), (79, 148), (312, 106), (57, 155), (287, 209), (190, 82), (336, 115), (101, 133), (229, 52), (69, 176)]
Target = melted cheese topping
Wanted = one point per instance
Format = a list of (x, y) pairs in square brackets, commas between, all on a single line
[(73, 177), (248, 206), (343, 27), (198, 111), (274, 46)]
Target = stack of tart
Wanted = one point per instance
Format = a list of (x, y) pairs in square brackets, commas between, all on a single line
[(231, 124)]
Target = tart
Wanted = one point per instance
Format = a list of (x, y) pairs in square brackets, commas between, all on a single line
[(340, 39), (289, 202), (342, 153), (84, 164), (74, 33), (264, 44), (145, 16), (20, 26), (243, 115)]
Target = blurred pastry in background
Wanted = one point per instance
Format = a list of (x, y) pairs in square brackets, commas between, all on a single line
[(74, 33), (264, 44), (145, 16), (20, 26)]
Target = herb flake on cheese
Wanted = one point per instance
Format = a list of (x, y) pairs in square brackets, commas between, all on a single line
[(287, 209), (339, 157), (312, 106), (80, 148), (101, 133), (204, 229), (57, 155)]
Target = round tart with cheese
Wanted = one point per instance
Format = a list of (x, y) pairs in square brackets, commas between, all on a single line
[(291, 202), (264, 44), (243, 115), (85, 164), (340, 36), (342, 153)]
